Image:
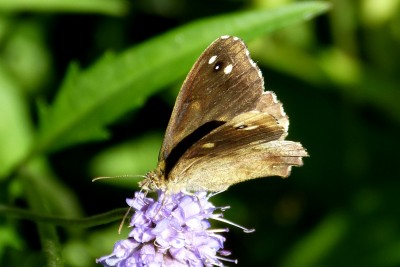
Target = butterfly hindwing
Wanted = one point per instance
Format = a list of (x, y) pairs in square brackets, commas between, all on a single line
[(242, 130), (247, 147)]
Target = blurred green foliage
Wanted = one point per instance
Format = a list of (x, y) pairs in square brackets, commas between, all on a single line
[(86, 89)]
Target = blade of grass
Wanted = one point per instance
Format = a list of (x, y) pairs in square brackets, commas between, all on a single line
[(108, 7)]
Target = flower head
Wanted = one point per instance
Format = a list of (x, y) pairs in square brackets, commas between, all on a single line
[(172, 231)]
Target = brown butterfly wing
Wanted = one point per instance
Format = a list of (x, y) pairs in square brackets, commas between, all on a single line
[(248, 146), (223, 83)]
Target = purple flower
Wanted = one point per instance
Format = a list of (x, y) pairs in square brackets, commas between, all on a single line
[(172, 231)]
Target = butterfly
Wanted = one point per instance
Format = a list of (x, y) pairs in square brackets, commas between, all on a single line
[(224, 128)]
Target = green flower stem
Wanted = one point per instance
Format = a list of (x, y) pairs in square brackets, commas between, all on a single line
[(95, 220), (47, 233)]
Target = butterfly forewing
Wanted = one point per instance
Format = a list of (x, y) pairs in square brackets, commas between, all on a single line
[(223, 83)]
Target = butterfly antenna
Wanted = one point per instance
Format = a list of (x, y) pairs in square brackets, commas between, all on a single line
[(118, 176), (123, 221)]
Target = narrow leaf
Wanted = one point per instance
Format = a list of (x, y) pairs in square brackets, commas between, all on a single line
[(109, 7)]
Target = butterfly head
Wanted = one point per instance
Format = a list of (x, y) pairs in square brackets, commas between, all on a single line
[(155, 179)]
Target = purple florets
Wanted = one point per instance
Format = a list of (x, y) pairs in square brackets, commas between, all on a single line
[(172, 231)]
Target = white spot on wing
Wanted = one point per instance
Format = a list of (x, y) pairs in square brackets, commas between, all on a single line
[(228, 69), (225, 36), (212, 59), (251, 127), (208, 145), (235, 38)]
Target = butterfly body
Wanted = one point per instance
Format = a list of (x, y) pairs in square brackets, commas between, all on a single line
[(224, 128)]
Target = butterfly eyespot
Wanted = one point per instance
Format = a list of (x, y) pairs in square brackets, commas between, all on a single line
[(240, 127), (218, 65)]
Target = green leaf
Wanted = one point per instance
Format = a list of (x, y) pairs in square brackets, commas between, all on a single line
[(93, 98), (109, 7), (15, 127)]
